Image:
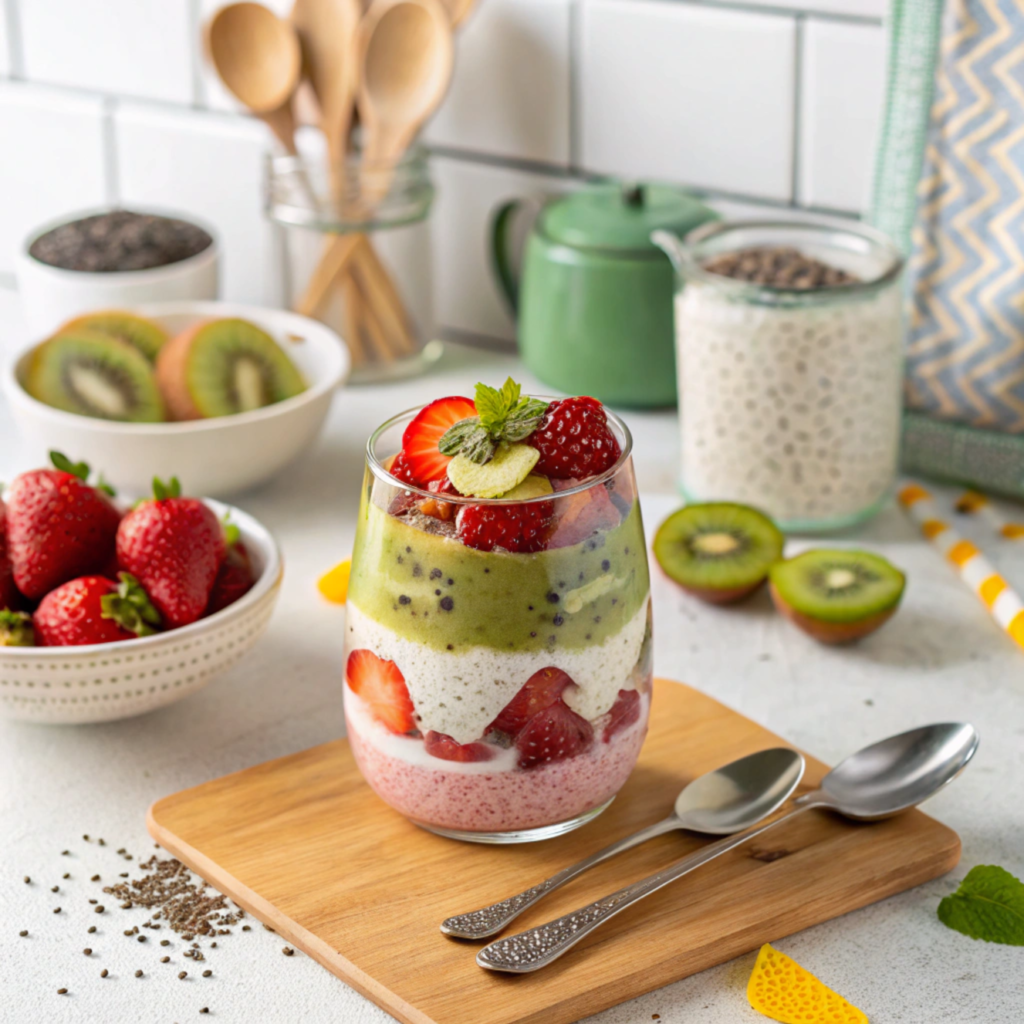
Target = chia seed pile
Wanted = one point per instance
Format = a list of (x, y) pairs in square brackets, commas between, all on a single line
[(791, 406), (176, 899), (119, 241)]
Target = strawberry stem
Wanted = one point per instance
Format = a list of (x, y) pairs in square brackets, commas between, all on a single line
[(162, 491), (63, 463), (130, 607), (16, 629)]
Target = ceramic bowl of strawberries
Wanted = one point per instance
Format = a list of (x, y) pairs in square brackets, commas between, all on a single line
[(112, 608)]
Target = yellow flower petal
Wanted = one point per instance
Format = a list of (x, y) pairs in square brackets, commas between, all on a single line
[(334, 584), (782, 990)]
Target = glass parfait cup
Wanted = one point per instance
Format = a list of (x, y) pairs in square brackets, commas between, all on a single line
[(473, 752)]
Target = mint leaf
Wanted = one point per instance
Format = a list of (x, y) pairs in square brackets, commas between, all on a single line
[(503, 418), (989, 905)]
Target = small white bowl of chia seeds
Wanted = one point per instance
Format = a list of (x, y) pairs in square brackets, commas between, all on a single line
[(109, 259)]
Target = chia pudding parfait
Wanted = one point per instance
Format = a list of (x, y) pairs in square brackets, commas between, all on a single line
[(498, 625), (789, 341)]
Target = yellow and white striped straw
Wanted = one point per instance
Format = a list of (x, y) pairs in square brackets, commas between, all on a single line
[(972, 503), (974, 568)]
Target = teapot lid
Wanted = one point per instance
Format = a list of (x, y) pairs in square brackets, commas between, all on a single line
[(621, 216)]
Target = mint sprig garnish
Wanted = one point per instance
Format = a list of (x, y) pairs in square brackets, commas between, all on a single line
[(989, 905), (503, 417)]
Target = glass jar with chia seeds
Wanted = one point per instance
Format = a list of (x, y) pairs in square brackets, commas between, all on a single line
[(789, 344)]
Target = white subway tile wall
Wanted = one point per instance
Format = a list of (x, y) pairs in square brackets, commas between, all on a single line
[(52, 160), (761, 105)]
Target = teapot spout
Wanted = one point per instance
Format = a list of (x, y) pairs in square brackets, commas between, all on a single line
[(672, 246)]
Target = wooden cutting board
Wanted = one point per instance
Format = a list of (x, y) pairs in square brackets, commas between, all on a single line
[(304, 845)]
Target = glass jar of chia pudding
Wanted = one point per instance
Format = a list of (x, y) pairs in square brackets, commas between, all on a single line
[(789, 352), (455, 650)]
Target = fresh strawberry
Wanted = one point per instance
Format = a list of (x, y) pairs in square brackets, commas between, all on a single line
[(399, 467), (574, 439), (234, 579), (16, 629), (538, 693), (419, 442), (438, 744), (58, 527), (583, 514), (625, 711), (381, 686), (554, 734), (516, 528), (94, 610), (174, 546), (10, 596)]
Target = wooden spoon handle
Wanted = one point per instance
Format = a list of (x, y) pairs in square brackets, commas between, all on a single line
[(352, 319), (335, 258), (379, 288)]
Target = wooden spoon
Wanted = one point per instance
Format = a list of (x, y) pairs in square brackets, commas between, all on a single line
[(405, 65), (327, 35), (257, 56), (458, 10)]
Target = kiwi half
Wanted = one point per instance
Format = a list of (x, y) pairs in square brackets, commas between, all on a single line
[(718, 551), (837, 596), (92, 374), (145, 335), (224, 367)]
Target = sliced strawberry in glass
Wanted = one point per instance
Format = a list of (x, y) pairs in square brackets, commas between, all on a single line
[(521, 529), (625, 711), (539, 692), (582, 515), (438, 744), (555, 734), (421, 437), (381, 686)]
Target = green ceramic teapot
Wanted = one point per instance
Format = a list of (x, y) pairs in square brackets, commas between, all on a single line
[(594, 297)]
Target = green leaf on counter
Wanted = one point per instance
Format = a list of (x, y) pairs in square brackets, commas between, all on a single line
[(989, 905)]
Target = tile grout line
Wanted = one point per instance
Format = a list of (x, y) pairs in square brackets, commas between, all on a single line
[(111, 178), (798, 105), (575, 86), (15, 48)]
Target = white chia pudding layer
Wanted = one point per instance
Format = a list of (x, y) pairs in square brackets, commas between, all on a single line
[(793, 409)]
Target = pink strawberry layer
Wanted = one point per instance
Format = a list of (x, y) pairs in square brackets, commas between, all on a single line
[(501, 801)]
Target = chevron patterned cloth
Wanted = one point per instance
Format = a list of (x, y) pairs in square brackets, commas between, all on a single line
[(965, 360)]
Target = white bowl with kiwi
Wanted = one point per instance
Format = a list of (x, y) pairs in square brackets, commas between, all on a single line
[(223, 395)]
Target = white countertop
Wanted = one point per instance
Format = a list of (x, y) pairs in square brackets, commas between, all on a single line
[(941, 658)]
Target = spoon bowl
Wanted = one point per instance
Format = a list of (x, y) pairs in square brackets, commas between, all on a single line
[(899, 772), (739, 794)]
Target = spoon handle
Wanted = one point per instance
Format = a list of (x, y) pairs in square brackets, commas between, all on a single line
[(540, 946), (479, 924)]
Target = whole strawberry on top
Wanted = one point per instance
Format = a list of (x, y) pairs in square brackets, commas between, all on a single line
[(94, 610), (174, 546), (58, 527)]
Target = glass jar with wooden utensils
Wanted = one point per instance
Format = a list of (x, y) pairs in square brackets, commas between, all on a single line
[(361, 266)]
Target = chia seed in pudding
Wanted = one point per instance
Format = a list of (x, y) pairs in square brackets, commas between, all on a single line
[(119, 241), (790, 400)]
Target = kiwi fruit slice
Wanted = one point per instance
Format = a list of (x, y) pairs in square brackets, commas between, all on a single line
[(93, 374), (718, 551), (837, 596), (223, 367), (145, 335)]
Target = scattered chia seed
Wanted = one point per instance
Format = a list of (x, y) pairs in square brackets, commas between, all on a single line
[(182, 975), (86, 838), (103, 973), (62, 991), (205, 1009), (142, 938), (165, 942), (56, 888), (91, 929), (95, 878), (288, 951), (207, 974), (101, 842), (56, 910), (23, 932), (99, 909), (27, 880), (87, 951), (65, 853), (67, 874), (138, 974), (165, 959), (94, 902), (246, 928)]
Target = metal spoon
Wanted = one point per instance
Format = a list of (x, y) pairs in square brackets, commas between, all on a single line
[(726, 800), (877, 782)]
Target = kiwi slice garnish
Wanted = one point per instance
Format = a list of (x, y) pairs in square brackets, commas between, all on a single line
[(145, 335), (718, 551), (224, 367), (93, 374), (837, 596)]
